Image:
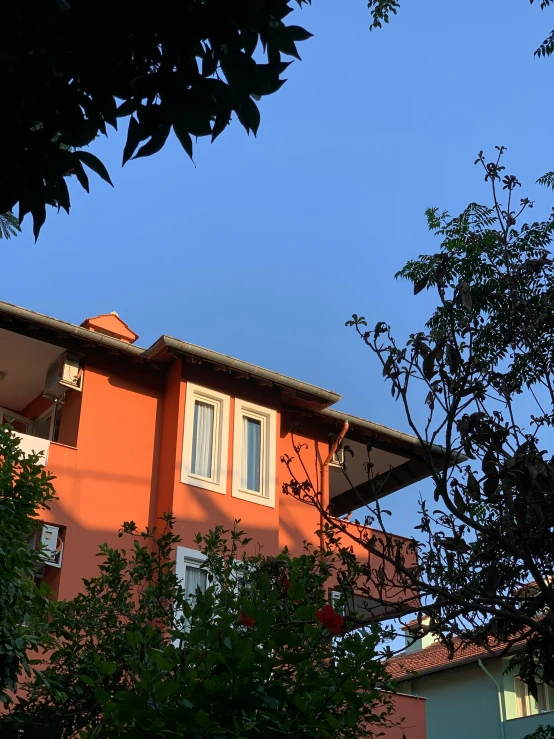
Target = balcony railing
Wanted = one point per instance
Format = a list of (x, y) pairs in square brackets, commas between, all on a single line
[(34, 445), (518, 728), (386, 591)]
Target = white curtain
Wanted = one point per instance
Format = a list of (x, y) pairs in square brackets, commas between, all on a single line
[(202, 439), (251, 454), (195, 578), (523, 699)]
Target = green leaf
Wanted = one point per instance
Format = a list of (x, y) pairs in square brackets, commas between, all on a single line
[(108, 668), (133, 639), (296, 591), (166, 689), (87, 680), (202, 718), (38, 211), (95, 164), (287, 46), (311, 631), (102, 696), (332, 721), (421, 284), (305, 612), (296, 33), (184, 137), (243, 646), (300, 702), (156, 143), (249, 115), (128, 107), (134, 137), (81, 176)]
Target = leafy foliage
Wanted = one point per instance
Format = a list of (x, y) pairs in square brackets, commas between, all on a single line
[(137, 656), (381, 11), (543, 732), (485, 568), (482, 566), (72, 68), (9, 225), (25, 490)]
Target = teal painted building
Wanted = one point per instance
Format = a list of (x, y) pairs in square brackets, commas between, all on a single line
[(471, 696)]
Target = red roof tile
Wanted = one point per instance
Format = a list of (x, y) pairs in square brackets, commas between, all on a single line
[(435, 658)]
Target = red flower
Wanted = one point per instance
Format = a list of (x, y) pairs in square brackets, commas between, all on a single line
[(329, 619), (285, 591), (245, 620)]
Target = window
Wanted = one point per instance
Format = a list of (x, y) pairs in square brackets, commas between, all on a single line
[(19, 423), (188, 569), (44, 426), (337, 460), (527, 705), (251, 454), (254, 453), (205, 439), (195, 579)]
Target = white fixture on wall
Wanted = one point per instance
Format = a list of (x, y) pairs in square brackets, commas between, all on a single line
[(63, 374), (52, 545)]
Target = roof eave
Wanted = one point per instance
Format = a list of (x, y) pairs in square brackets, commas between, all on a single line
[(69, 329), (414, 470), (312, 396), (415, 675)]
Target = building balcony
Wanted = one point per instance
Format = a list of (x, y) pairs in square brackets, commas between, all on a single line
[(38, 384), (384, 591), (34, 445), (518, 728)]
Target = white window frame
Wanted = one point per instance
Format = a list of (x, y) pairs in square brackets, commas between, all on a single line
[(52, 412), (17, 417), (217, 483), (526, 705), (185, 557), (268, 462)]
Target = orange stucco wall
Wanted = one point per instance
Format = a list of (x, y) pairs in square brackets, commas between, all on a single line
[(119, 458), (111, 475)]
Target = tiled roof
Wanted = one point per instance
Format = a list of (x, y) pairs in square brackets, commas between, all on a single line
[(413, 622), (435, 658)]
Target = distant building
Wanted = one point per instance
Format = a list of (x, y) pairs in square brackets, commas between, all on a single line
[(470, 696)]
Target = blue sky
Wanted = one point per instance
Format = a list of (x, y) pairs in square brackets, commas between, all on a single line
[(266, 246)]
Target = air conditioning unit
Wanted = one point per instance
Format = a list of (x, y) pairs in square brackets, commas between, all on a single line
[(52, 545), (335, 600), (63, 374)]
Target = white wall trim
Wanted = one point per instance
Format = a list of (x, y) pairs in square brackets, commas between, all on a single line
[(269, 454), (218, 483), (184, 556)]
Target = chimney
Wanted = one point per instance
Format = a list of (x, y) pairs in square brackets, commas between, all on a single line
[(412, 628), (110, 324)]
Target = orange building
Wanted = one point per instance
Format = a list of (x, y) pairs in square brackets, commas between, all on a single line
[(131, 433)]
